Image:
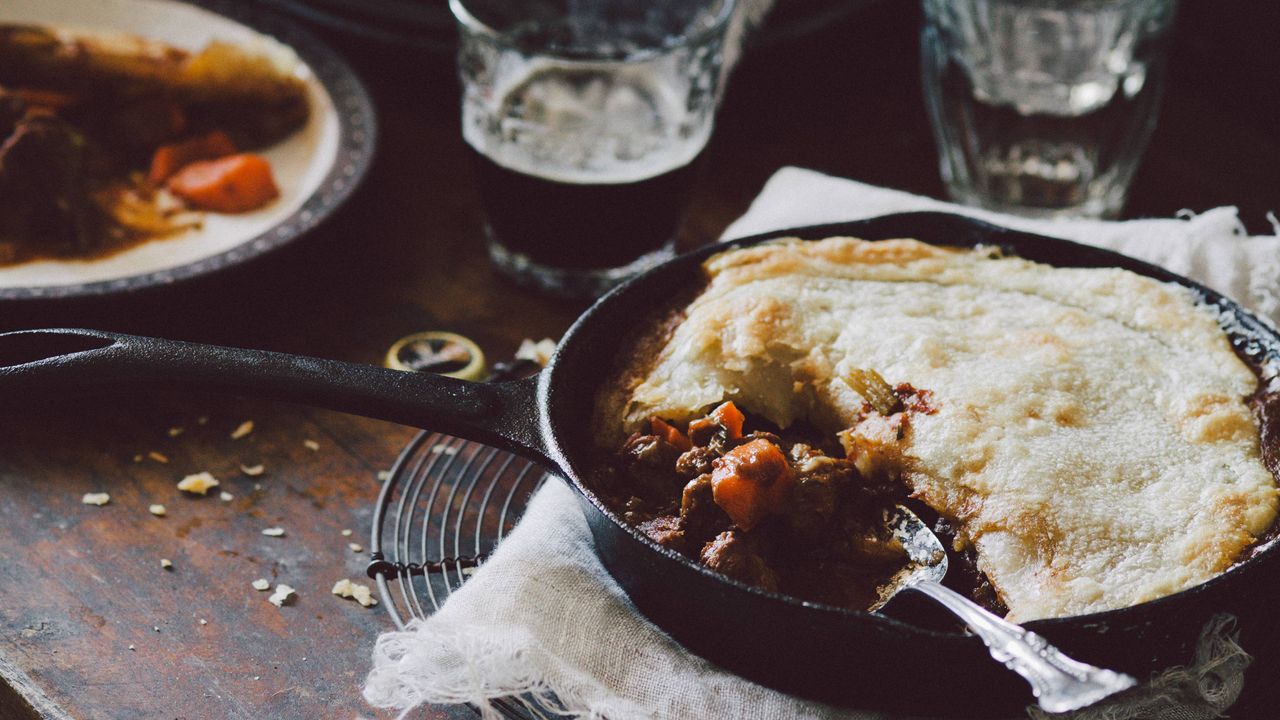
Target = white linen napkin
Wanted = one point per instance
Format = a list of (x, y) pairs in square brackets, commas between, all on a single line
[(543, 617)]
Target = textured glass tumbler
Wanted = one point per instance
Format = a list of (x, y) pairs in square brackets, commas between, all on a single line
[(1043, 107), (586, 121)]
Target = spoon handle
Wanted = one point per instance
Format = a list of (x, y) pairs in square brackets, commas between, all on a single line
[(1059, 683)]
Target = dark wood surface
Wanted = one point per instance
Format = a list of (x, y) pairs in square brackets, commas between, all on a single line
[(83, 583)]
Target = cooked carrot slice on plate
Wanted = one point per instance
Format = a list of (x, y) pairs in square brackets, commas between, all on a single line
[(234, 184), (169, 159)]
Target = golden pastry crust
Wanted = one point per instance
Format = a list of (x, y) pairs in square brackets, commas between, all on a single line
[(1092, 438)]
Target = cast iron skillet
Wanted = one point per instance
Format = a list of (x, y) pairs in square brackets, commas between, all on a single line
[(851, 658)]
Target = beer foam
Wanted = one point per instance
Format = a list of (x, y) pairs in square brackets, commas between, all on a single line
[(595, 124)]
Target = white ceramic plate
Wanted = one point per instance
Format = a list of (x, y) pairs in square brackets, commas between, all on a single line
[(316, 167)]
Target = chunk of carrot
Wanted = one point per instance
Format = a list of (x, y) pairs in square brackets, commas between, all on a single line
[(668, 432), (731, 418), (751, 481), (234, 184), (169, 159)]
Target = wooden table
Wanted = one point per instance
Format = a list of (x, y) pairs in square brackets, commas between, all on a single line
[(93, 627)]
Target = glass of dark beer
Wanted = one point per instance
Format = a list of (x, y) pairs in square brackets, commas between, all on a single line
[(586, 120)]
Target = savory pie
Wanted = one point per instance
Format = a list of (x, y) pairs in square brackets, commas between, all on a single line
[(1085, 435)]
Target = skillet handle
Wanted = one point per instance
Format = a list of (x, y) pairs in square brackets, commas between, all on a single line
[(35, 364)]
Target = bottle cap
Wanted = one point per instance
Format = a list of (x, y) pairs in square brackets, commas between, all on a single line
[(443, 353)]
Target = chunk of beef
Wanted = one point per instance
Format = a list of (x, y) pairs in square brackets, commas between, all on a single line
[(763, 435), (651, 461), (700, 516), (821, 481), (711, 434), (651, 450), (44, 195), (696, 462), (733, 553), (703, 431), (665, 530)]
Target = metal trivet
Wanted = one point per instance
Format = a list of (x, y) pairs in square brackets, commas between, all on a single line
[(445, 506), (443, 509)]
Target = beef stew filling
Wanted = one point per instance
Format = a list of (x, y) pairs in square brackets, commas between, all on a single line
[(792, 511)]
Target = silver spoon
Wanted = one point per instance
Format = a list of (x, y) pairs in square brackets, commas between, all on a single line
[(1059, 683)]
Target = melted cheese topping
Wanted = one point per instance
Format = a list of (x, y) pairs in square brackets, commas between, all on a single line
[(1091, 436)]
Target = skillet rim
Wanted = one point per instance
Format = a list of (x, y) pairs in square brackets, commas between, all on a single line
[(971, 233)]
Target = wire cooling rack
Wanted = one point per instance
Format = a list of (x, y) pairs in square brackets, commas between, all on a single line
[(444, 507)]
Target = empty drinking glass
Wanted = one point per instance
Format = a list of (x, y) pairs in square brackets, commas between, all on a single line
[(1043, 107)]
